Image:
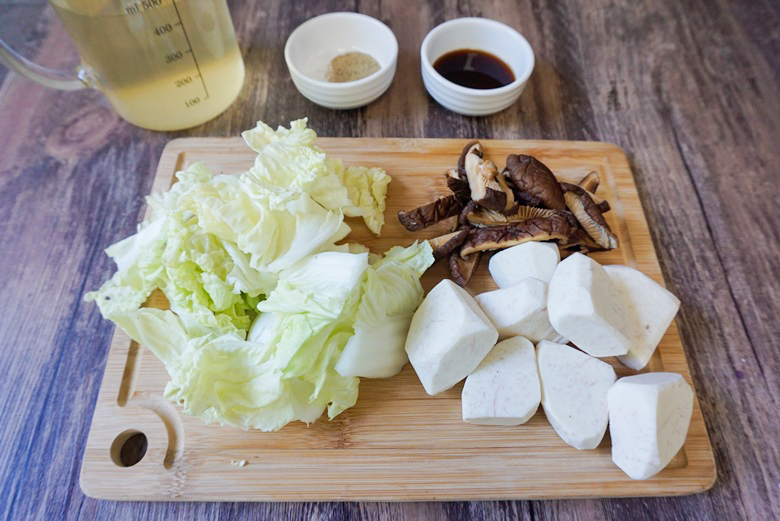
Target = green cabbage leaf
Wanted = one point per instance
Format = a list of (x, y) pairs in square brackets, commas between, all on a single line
[(264, 297)]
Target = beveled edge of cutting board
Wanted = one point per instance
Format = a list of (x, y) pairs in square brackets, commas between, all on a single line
[(174, 155)]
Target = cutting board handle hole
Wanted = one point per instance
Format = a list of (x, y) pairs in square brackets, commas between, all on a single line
[(129, 448)]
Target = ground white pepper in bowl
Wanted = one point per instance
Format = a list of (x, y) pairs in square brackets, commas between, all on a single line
[(351, 66)]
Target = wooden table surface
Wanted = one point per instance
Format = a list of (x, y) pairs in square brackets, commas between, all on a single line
[(689, 89)]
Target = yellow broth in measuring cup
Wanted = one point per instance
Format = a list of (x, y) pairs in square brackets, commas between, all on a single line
[(163, 64)]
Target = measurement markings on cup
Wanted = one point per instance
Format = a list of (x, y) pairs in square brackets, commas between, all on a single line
[(195, 100), (166, 29)]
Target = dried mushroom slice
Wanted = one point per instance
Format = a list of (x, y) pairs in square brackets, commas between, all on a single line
[(581, 242), (430, 213), (482, 217), (600, 203), (521, 198), (462, 268), (535, 180), (590, 182), (486, 190), (472, 147), (555, 227), (489, 170), (510, 196), (463, 216), (528, 199), (443, 245), (458, 185), (589, 216)]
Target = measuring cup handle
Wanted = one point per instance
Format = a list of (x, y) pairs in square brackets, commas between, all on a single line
[(42, 75)]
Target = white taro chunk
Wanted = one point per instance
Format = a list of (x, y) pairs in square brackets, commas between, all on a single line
[(448, 338), (520, 310), (530, 259), (586, 307), (504, 389), (574, 393), (649, 415), (651, 309)]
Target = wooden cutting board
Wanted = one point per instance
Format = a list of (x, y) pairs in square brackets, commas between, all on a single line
[(397, 443)]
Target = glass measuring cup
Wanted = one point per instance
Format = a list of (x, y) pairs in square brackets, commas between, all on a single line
[(163, 64)]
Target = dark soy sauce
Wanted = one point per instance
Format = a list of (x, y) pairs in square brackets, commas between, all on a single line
[(474, 69)]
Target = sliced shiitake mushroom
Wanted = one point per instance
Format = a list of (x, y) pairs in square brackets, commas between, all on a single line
[(482, 217), (463, 216), (430, 213), (510, 196), (498, 190), (528, 200), (533, 179), (462, 268), (445, 244), (589, 216), (459, 185), (554, 227), (472, 147), (485, 189), (581, 242), (493, 210), (590, 182)]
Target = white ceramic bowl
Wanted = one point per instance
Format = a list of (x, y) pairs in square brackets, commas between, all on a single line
[(314, 43), (484, 35)]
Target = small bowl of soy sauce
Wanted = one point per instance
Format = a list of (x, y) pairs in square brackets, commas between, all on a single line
[(475, 66)]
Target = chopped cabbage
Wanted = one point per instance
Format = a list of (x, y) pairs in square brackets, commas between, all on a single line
[(262, 299)]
